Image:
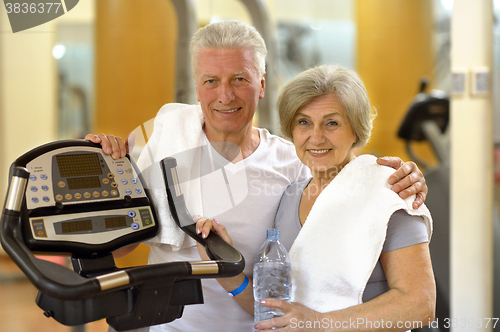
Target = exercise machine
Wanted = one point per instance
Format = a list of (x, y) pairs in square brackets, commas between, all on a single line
[(69, 198), (427, 120)]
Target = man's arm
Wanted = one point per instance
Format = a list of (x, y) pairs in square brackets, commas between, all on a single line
[(408, 180)]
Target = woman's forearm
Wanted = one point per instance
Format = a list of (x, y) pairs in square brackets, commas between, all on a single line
[(410, 302), (391, 311), (245, 298)]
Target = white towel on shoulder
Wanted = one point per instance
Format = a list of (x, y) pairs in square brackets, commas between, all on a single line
[(337, 249), (178, 132)]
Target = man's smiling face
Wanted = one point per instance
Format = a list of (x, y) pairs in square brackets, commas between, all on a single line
[(228, 88)]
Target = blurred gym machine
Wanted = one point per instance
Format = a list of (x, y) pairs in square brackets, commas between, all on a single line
[(427, 120), (68, 198)]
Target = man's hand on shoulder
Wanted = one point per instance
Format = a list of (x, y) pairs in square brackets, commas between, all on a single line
[(408, 180)]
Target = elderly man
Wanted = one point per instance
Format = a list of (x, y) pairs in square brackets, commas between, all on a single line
[(240, 172)]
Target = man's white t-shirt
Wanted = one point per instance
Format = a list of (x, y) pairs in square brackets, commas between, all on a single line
[(244, 197)]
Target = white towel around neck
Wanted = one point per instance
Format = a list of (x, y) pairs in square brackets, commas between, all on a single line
[(178, 132), (341, 241)]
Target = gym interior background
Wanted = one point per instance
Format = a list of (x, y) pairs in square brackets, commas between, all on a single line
[(108, 66)]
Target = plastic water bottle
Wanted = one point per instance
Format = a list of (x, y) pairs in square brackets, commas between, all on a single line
[(271, 276)]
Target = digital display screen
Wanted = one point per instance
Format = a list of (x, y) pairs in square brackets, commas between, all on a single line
[(76, 226), (84, 183), (115, 222), (79, 165)]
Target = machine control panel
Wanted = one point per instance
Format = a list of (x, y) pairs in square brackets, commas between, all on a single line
[(92, 227), (79, 177), (78, 197)]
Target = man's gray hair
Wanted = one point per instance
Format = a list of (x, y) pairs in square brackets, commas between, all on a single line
[(230, 35)]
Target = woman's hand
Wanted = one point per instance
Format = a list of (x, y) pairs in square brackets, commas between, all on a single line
[(204, 226), (408, 180), (297, 317), (245, 298)]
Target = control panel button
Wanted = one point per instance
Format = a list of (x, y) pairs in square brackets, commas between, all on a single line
[(114, 184), (128, 191), (86, 195), (78, 196), (34, 189), (138, 190), (119, 171), (145, 217), (61, 184), (124, 181), (34, 200), (131, 214), (133, 180), (33, 177), (105, 193), (111, 175), (59, 197), (38, 228), (135, 225), (45, 188), (46, 199), (114, 192), (96, 194), (68, 197), (105, 181), (44, 177)]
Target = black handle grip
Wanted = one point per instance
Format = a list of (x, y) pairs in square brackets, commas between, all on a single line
[(230, 260)]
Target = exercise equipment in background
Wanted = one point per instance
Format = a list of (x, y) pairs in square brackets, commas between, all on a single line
[(69, 198), (427, 120)]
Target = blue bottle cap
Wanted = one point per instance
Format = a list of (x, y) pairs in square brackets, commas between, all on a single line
[(273, 233)]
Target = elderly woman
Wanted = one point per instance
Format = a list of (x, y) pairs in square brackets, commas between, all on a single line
[(360, 256)]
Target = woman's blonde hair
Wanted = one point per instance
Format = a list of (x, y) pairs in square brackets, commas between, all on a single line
[(318, 81)]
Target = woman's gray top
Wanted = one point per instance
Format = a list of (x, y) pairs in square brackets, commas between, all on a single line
[(403, 230)]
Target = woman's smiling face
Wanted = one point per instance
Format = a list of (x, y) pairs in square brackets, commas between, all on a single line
[(323, 136)]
